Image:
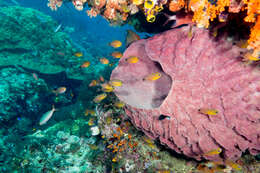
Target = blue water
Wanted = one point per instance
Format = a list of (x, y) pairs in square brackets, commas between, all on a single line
[(98, 29)]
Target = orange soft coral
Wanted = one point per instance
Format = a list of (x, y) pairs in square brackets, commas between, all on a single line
[(254, 40), (253, 9), (205, 11), (235, 6), (110, 13), (54, 4), (79, 4), (92, 12), (99, 3), (176, 5)]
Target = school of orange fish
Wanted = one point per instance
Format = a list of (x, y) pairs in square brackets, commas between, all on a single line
[(122, 140)]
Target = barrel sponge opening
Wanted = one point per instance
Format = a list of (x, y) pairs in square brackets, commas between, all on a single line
[(162, 87), (136, 91)]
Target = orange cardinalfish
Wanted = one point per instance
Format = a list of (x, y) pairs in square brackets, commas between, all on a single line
[(119, 104), (93, 83), (89, 111), (131, 37), (115, 44), (100, 97), (78, 54), (233, 165), (117, 54), (91, 122), (59, 90), (152, 76), (208, 111), (114, 159), (85, 64), (104, 61), (209, 168), (101, 78), (213, 152), (111, 64), (107, 87), (116, 82), (132, 59)]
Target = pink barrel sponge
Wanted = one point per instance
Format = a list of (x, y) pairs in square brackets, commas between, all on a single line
[(197, 72)]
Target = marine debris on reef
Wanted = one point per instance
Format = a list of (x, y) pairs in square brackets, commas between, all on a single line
[(204, 12), (209, 95)]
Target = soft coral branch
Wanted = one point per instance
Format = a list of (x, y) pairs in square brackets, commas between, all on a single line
[(54, 4)]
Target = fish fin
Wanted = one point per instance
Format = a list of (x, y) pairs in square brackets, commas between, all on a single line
[(166, 22), (168, 18)]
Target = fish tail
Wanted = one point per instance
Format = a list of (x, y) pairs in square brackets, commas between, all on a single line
[(55, 92), (53, 107)]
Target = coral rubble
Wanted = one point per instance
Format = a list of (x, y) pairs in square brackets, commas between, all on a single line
[(196, 72)]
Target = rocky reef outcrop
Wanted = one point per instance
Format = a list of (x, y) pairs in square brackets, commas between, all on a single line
[(35, 41), (197, 71), (20, 95)]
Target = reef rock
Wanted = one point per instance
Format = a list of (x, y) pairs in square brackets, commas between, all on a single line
[(20, 96), (197, 72), (34, 41)]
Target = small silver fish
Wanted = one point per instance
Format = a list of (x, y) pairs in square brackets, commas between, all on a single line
[(58, 28), (47, 116)]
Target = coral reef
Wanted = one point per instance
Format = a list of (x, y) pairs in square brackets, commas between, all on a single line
[(27, 94), (128, 150), (64, 147), (54, 4), (197, 72), (22, 28), (204, 12)]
